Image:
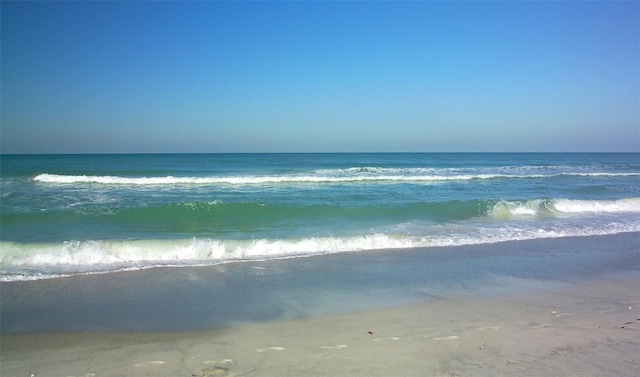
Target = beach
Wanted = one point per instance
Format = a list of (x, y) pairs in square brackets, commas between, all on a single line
[(590, 329), (578, 321)]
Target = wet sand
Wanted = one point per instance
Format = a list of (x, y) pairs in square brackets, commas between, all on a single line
[(583, 327)]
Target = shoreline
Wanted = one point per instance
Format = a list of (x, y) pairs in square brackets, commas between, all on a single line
[(232, 262), (524, 308), (584, 327), (216, 297)]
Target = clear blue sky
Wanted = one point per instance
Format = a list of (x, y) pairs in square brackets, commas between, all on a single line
[(83, 77)]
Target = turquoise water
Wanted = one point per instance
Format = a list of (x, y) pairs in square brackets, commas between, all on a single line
[(77, 214)]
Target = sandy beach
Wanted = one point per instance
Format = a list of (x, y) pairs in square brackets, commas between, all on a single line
[(555, 307), (589, 327)]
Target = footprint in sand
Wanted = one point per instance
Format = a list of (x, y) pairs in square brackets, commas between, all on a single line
[(221, 368), (336, 347), (386, 338), (214, 372), (155, 362), (270, 349)]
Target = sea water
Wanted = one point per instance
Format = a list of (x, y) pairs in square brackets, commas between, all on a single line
[(64, 215)]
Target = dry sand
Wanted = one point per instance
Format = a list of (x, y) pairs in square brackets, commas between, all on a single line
[(586, 328)]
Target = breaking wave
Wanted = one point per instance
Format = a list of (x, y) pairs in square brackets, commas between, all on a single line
[(550, 207), (377, 175), (503, 221)]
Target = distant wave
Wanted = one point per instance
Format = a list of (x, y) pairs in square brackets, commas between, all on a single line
[(550, 207), (599, 206), (401, 175)]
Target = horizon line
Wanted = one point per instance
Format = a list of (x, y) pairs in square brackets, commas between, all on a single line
[(379, 152)]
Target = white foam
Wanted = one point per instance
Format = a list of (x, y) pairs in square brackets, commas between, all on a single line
[(506, 209), (549, 207), (599, 206), (370, 174), (40, 261), (250, 180)]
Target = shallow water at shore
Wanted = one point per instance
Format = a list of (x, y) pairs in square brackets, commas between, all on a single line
[(205, 298), (586, 326)]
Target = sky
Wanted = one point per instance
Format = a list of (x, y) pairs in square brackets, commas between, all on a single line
[(422, 76)]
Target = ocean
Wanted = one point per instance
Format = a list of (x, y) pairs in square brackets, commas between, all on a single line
[(69, 215)]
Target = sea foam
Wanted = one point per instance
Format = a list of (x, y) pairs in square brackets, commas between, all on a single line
[(599, 206), (551, 207), (376, 175), (25, 261)]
